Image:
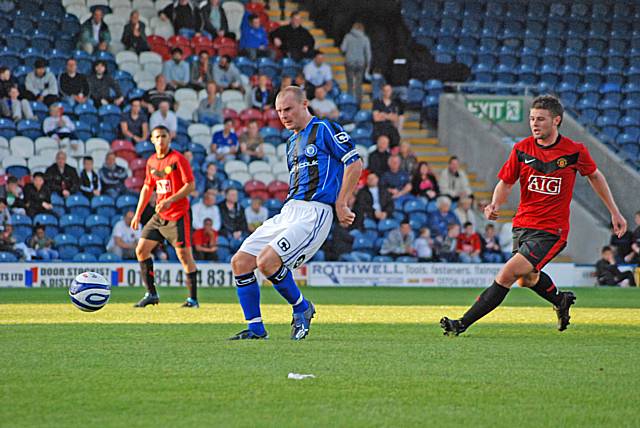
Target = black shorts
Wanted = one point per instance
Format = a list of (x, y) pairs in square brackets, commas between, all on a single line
[(537, 246), (178, 233)]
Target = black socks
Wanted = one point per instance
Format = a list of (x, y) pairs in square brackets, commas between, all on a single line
[(547, 290), (146, 272), (485, 303), (192, 284)]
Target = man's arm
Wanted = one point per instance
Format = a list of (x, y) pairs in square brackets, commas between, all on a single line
[(350, 179), (601, 187), (500, 195), (184, 192), (145, 195)]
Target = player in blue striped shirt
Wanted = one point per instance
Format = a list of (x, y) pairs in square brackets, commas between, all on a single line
[(324, 168)]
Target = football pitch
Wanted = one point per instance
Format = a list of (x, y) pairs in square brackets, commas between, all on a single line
[(378, 355)]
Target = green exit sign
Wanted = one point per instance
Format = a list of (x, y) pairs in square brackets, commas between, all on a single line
[(497, 110)]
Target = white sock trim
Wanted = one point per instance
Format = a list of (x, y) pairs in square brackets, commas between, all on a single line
[(254, 320), (300, 299)]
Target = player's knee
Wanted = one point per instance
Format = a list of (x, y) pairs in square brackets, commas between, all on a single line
[(141, 253), (529, 280), (242, 263), (267, 263)]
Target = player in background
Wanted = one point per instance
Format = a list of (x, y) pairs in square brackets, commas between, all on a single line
[(546, 164), (170, 175), (324, 169)]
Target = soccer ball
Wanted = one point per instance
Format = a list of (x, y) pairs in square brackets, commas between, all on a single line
[(90, 291)]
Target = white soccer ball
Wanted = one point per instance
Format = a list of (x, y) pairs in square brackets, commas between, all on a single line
[(90, 291)]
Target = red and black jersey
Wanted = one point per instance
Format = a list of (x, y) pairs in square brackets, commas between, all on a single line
[(167, 176), (547, 175)]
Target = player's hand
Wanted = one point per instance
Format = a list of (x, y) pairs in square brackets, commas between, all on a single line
[(345, 215), (135, 222), (162, 205), (619, 224), (491, 212)]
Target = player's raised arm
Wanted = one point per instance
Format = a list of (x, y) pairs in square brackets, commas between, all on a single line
[(599, 184)]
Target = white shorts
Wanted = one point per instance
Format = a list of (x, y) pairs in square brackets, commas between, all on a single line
[(296, 234)]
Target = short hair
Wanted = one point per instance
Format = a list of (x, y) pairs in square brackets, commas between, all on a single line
[(207, 219), (3, 201), (452, 225), (14, 180), (443, 200), (637, 212), (87, 158), (467, 223), (252, 16), (294, 13), (404, 221), (161, 128), (38, 226), (489, 226), (452, 158), (227, 119), (227, 57), (176, 49), (296, 91), (37, 174), (3, 69), (606, 248), (549, 103), (96, 63)]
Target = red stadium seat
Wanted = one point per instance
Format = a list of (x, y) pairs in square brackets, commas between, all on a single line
[(254, 8), (154, 40), (122, 145), (202, 43), (271, 26), (137, 163), (178, 41), (251, 114), (256, 189), (278, 190), (163, 51), (134, 183), (270, 118), (226, 46)]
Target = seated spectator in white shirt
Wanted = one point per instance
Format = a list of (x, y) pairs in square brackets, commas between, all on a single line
[(424, 245), (318, 73), (164, 117), (322, 106), (255, 214), (176, 71), (206, 208), (124, 239), (58, 125)]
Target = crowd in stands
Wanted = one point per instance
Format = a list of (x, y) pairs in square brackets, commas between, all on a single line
[(624, 250)]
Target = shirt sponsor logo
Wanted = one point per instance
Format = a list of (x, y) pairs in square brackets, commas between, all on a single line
[(544, 185), (341, 137), (163, 187), (302, 165)]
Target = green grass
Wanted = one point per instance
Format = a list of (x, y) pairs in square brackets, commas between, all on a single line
[(378, 354)]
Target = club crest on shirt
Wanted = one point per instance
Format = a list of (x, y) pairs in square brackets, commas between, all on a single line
[(310, 150), (562, 162), (161, 174)]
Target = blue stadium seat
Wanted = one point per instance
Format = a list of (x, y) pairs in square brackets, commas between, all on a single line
[(348, 107), (66, 245), (126, 202), (92, 244), (103, 205), (382, 259), (87, 114), (110, 114), (39, 109), (6, 257), (49, 221), (387, 224), (269, 67), (273, 206), (362, 136), (271, 135), (83, 130), (407, 259), (78, 204), (109, 257), (29, 128), (72, 224), (85, 257), (246, 66), (99, 225)]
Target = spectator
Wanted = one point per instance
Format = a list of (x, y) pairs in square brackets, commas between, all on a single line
[(5, 214), (176, 70), (42, 244), (213, 179), (468, 245), (399, 242), (134, 124), (323, 107), (424, 245), (58, 125), (387, 116), (491, 251), (159, 93), (262, 97), (621, 245), (317, 73), (206, 208), (201, 71), (124, 239), (372, 201), (408, 159), (379, 158), (18, 106), (104, 89), (285, 82), (165, 117), (227, 75), (251, 143), (341, 242), (205, 242), (14, 196), (465, 212), (634, 256), (448, 243), (134, 36), (224, 143), (41, 84), (234, 223), (439, 220), (95, 34), (256, 214), (89, 181), (254, 42), (357, 52), (636, 232), (210, 108), (8, 241), (214, 19), (293, 39), (454, 182), (61, 177), (181, 14), (396, 180), (481, 220), (424, 183), (7, 81), (607, 271), (74, 87), (37, 196), (302, 84), (112, 177)]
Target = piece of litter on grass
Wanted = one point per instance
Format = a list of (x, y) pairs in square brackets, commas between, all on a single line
[(298, 376)]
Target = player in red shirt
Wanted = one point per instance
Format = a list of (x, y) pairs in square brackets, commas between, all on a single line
[(170, 175), (546, 165)]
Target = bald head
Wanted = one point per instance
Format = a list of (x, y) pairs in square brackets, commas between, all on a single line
[(291, 106), (295, 92)]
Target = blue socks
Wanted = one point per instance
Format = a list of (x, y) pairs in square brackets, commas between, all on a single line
[(249, 295), (285, 285)]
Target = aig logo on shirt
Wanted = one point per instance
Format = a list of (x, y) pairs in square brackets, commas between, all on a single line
[(310, 150), (544, 185)]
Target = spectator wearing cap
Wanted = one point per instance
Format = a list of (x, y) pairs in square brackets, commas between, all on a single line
[(95, 34), (89, 181), (262, 97), (40, 84), (74, 86), (214, 19), (134, 124), (154, 96), (201, 71), (134, 36), (165, 117), (61, 177), (175, 70), (357, 52), (293, 39), (317, 73), (112, 177), (37, 196), (254, 42), (227, 75), (181, 14), (104, 89), (209, 110)]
